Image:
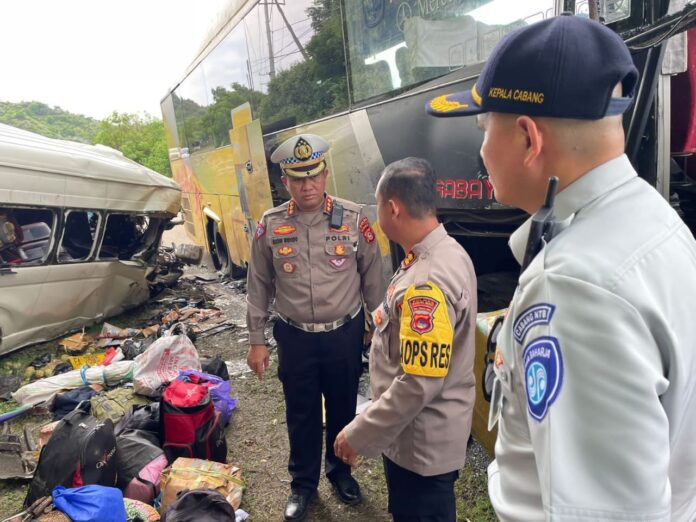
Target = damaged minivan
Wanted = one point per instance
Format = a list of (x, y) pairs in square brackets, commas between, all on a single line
[(80, 226)]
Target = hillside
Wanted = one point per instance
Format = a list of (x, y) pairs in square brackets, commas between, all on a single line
[(53, 122)]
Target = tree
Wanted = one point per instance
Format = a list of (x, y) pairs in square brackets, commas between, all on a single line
[(140, 138)]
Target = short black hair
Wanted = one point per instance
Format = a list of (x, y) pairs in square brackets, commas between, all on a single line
[(411, 181)]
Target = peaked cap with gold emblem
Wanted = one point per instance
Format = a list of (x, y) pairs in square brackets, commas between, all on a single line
[(301, 156)]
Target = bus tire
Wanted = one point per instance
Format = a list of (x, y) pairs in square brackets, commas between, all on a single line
[(220, 254)]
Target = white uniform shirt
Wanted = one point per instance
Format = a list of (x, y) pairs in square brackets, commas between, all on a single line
[(597, 362)]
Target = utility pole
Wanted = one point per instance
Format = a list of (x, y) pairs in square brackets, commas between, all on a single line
[(269, 36)]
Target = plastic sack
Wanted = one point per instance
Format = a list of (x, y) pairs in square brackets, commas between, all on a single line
[(90, 503), (161, 362), (219, 391), (45, 389)]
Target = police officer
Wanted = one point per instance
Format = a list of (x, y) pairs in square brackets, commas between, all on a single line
[(318, 256), (595, 386), (422, 356)]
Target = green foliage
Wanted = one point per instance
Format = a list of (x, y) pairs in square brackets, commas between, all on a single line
[(52, 122), (140, 138)]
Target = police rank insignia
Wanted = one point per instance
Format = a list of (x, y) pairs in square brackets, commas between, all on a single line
[(292, 207), (366, 230), (426, 333), (288, 268), (543, 372), (285, 250), (284, 230), (260, 231), (408, 260)]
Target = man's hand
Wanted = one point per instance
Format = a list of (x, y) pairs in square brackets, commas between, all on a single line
[(343, 451), (257, 359)]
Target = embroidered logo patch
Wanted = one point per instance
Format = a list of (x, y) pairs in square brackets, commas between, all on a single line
[(340, 250), (284, 230), (408, 260), (342, 228), (366, 230), (543, 371), (533, 316), (338, 263), (425, 332), (422, 310), (260, 231), (288, 268), (285, 250)]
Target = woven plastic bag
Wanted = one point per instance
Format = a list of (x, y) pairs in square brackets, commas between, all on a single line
[(160, 363)]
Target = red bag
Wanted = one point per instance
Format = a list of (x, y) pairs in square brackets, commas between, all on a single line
[(185, 394), (189, 425)]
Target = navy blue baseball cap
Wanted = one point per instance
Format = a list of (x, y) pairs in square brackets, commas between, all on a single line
[(563, 67)]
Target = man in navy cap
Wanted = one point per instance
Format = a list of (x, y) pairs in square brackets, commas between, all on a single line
[(317, 255), (594, 386)]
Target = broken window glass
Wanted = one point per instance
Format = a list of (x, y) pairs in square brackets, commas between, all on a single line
[(127, 236), (79, 234), (25, 235)]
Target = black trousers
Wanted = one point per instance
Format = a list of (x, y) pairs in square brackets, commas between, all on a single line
[(311, 365), (415, 498)]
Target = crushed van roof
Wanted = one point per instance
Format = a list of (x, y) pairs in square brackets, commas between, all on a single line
[(36, 170)]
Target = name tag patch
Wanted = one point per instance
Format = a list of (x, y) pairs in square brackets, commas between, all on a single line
[(543, 372), (535, 315), (425, 332)]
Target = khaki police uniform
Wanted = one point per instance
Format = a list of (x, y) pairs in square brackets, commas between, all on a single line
[(319, 276), (595, 368), (421, 368)]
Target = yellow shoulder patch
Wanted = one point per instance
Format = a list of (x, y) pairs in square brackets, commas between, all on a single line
[(426, 333)]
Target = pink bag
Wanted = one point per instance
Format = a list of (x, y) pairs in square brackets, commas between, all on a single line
[(161, 362), (139, 488)]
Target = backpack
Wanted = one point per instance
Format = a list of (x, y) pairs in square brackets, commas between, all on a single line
[(216, 366), (81, 451), (115, 403), (140, 462), (189, 425), (145, 418), (202, 505)]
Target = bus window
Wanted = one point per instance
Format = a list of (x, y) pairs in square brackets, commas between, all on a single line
[(392, 45), (296, 61), (610, 11), (79, 234), (25, 235), (128, 236), (226, 75), (190, 102)]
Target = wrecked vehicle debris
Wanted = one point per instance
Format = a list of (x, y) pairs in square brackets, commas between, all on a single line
[(80, 228)]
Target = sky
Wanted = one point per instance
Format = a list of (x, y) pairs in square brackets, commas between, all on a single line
[(93, 57)]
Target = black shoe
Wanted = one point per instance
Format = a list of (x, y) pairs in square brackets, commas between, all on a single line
[(296, 506), (347, 489)]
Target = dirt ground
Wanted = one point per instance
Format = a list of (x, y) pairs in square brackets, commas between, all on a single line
[(257, 434)]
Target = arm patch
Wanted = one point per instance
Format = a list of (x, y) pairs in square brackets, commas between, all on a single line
[(425, 333)]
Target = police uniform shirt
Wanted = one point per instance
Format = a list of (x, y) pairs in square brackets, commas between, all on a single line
[(596, 363), (421, 362), (317, 273)]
